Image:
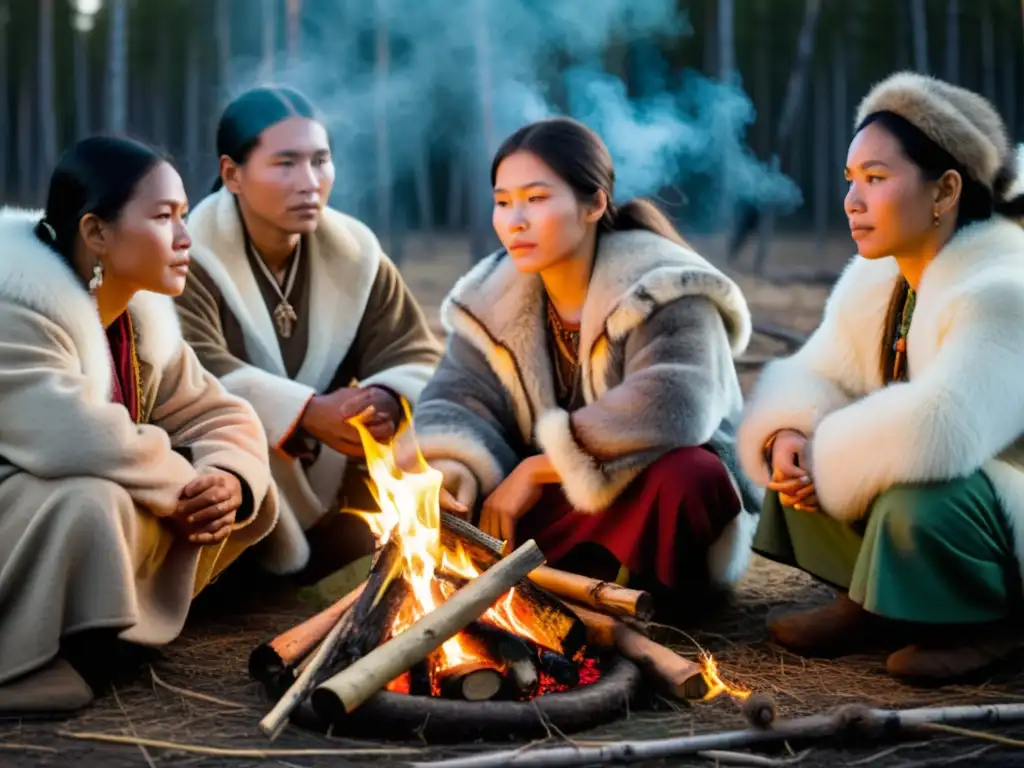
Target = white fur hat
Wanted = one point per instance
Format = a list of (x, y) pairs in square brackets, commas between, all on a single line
[(960, 121)]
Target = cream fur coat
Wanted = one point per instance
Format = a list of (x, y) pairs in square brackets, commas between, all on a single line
[(962, 409), (659, 331), (82, 487)]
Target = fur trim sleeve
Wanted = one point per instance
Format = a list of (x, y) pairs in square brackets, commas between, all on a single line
[(220, 430), (679, 385), (826, 374), (465, 416), (965, 408)]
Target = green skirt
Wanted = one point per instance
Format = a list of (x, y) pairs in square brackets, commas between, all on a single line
[(935, 553)]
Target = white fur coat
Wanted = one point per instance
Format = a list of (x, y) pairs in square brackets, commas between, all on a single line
[(961, 410)]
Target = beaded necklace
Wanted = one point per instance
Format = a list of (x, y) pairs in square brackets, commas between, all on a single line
[(899, 365), (568, 348)]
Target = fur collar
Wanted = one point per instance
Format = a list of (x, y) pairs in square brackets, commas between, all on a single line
[(635, 274), (34, 277), (501, 312), (344, 258)]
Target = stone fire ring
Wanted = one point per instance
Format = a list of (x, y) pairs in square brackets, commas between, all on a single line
[(400, 716)]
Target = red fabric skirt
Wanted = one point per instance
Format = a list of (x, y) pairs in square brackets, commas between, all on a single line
[(660, 527)]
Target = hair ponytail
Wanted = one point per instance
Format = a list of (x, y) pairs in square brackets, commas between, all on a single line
[(639, 213)]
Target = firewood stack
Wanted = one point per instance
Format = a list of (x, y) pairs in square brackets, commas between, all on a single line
[(517, 630)]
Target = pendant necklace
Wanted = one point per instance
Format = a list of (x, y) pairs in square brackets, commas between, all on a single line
[(284, 313)]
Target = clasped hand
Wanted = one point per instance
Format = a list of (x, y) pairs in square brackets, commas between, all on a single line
[(207, 507), (791, 471)]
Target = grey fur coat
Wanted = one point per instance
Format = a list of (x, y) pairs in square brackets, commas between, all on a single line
[(659, 331)]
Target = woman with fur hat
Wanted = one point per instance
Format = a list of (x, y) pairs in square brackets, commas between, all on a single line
[(893, 441), (588, 396), (129, 478)]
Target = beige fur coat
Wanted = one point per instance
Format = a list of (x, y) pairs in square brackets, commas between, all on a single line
[(83, 487)]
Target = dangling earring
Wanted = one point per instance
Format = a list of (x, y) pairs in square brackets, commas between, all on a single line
[(935, 219), (97, 277)]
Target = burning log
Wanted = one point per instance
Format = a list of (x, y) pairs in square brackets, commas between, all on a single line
[(477, 680), (348, 689), (678, 677), (533, 614), (604, 596), (559, 669), (467, 667), (517, 655), (278, 659), (358, 630)]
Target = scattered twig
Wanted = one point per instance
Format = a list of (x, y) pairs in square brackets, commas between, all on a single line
[(196, 749), (142, 748), (753, 761), (13, 747), (193, 694), (1006, 741)]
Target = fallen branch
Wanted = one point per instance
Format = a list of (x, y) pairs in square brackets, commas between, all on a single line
[(110, 738), (862, 720), (184, 692), (348, 689)]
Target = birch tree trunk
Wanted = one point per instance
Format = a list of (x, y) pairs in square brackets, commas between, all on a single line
[(481, 233), (919, 34), (953, 41), (5, 126), (726, 67), (80, 43), (988, 52), (117, 72), (45, 102), (269, 17), (294, 29), (380, 108)]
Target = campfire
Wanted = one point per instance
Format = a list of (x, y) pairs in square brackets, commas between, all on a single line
[(446, 613)]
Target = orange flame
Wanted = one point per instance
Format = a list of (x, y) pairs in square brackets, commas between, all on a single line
[(716, 685)]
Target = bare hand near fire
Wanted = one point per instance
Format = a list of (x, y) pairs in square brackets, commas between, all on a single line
[(207, 506), (512, 499), (327, 417)]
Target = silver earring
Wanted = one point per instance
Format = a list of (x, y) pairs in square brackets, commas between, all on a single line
[(97, 277)]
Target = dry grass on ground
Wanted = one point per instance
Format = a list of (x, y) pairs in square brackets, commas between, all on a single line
[(196, 692)]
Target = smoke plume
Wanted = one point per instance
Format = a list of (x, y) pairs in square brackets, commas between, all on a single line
[(451, 62)]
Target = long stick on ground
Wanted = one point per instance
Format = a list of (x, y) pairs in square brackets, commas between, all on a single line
[(348, 689), (878, 722)]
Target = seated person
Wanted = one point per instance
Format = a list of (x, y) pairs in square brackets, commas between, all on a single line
[(129, 478), (892, 441), (295, 308), (587, 397)]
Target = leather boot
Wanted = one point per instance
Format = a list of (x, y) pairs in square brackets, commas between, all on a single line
[(953, 656), (835, 629), (55, 689)]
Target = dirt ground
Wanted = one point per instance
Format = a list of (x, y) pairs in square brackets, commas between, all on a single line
[(193, 700)]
